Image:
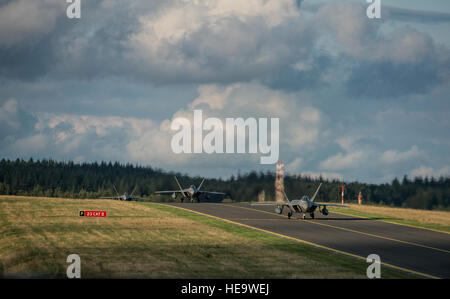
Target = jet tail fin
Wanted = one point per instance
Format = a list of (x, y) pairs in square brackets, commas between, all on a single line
[(315, 194), (134, 190), (179, 186), (116, 190), (201, 184)]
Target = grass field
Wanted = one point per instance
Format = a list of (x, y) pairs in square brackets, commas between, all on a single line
[(147, 240), (435, 220)]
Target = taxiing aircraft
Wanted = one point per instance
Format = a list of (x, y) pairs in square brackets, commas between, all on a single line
[(192, 193), (303, 205), (125, 196)]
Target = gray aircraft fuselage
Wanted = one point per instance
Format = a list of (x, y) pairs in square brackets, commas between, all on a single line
[(303, 205), (192, 192), (126, 197)]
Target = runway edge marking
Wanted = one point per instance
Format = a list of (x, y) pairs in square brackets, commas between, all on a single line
[(352, 230), (300, 241), (396, 223), (402, 224)]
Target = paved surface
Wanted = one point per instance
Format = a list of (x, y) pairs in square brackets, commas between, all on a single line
[(419, 251)]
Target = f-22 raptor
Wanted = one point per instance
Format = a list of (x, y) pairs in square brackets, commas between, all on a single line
[(192, 193), (303, 205), (126, 196)]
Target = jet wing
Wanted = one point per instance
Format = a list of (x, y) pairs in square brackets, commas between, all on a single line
[(329, 205), (109, 197), (270, 204), (167, 192)]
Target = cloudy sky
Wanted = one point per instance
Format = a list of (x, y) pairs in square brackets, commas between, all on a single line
[(357, 98)]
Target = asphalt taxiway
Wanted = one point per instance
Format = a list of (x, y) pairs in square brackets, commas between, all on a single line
[(422, 252)]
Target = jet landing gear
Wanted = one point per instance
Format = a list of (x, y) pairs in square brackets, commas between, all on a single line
[(310, 214), (289, 215)]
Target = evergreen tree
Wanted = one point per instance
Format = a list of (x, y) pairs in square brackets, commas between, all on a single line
[(92, 180)]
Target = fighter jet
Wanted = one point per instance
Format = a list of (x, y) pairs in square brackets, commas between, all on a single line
[(192, 193), (303, 205), (125, 196)]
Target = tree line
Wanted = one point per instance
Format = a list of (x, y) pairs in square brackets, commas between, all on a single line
[(51, 178)]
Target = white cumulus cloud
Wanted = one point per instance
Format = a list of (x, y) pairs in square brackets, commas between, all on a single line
[(393, 156), (342, 161), (425, 171)]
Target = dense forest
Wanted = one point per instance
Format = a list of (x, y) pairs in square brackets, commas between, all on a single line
[(91, 180)]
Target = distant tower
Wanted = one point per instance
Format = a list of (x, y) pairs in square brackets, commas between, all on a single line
[(360, 198), (342, 194), (262, 196), (279, 182)]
